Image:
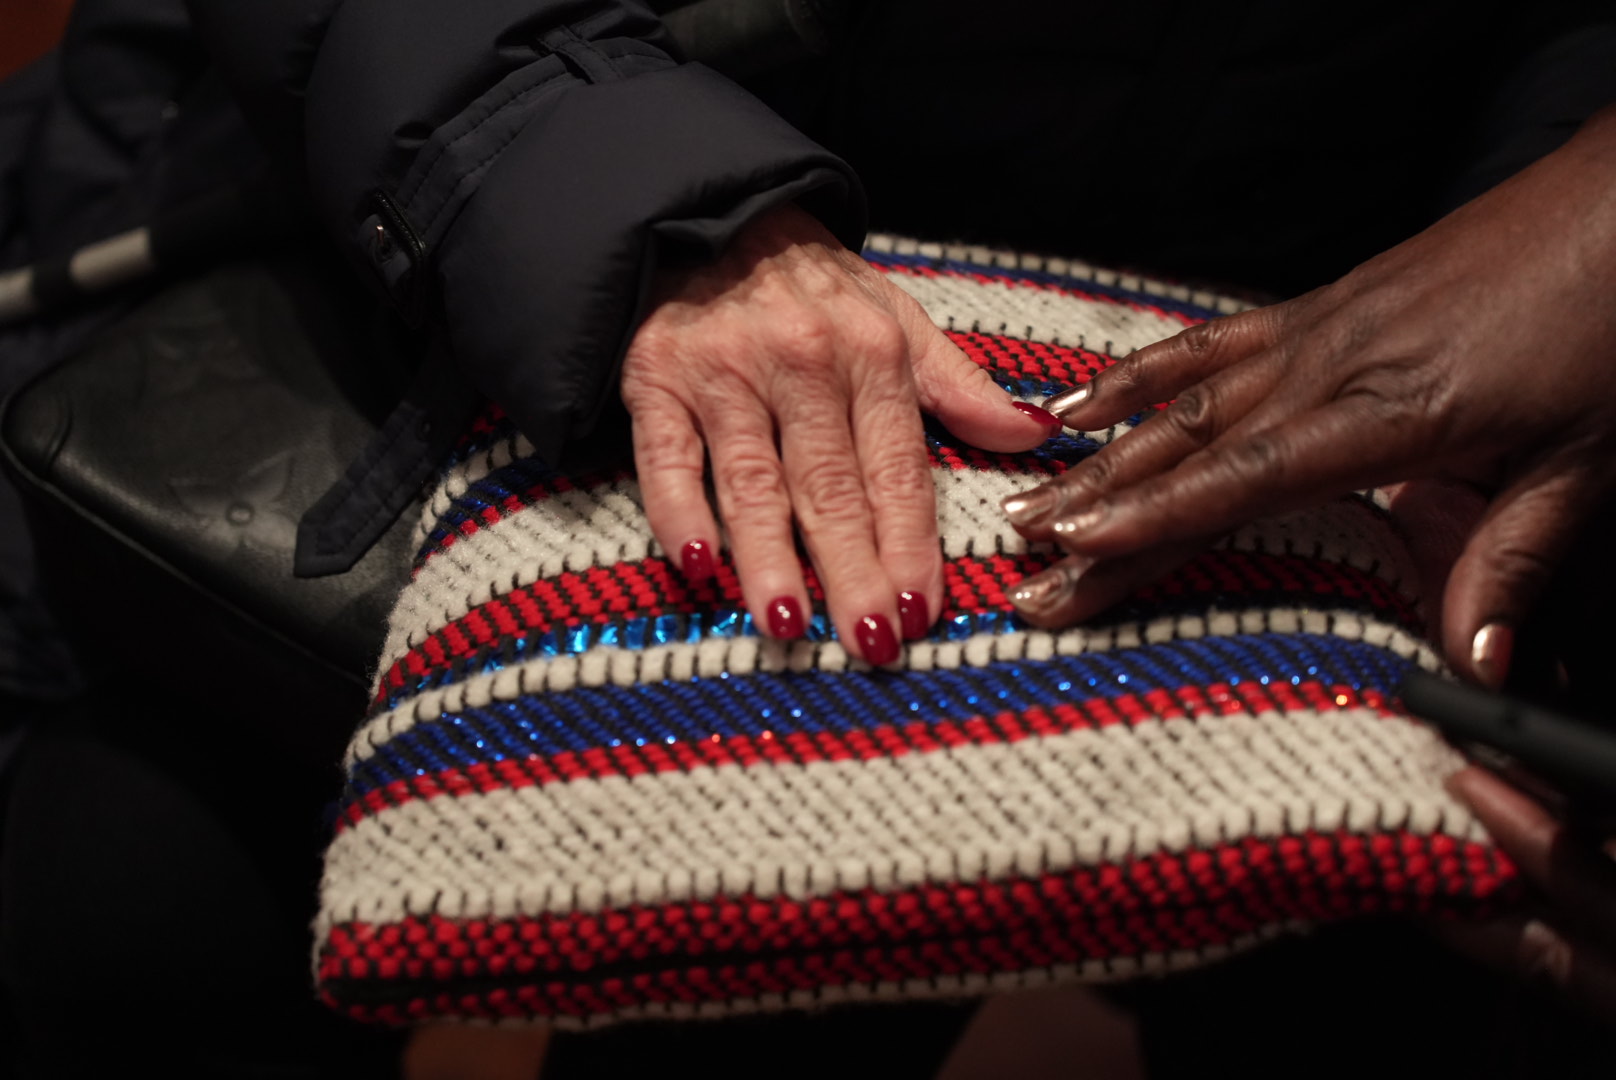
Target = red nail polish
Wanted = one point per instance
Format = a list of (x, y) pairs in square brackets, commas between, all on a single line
[(913, 615), (876, 640), (1043, 416), (785, 618), (697, 562)]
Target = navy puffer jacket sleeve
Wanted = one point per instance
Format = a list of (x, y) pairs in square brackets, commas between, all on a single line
[(510, 171)]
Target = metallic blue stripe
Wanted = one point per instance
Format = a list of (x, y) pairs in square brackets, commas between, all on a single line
[(726, 623), (666, 712), (735, 622)]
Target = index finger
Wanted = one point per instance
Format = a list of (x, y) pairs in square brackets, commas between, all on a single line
[(1251, 471), (1160, 371)]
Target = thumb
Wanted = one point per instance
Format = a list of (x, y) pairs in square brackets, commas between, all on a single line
[(960, 393), (1507, 564)]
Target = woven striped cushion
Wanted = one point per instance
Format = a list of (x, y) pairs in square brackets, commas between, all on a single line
[(588, 791)]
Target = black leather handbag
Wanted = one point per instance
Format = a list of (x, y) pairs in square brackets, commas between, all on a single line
[(168, 463), (166, 466)]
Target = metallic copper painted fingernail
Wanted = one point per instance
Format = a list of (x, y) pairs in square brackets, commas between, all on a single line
[(785, 618), (1043, 416), (914, 615), (876, 641), (1043, 591), (1490, 652), (696, 560), (1546, 958), (1067, 402), (1028, 506), (1080, 523)]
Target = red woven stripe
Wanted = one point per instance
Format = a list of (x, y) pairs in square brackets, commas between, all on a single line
[(885, 741), (583, 964), (482, 427), (652, 587)]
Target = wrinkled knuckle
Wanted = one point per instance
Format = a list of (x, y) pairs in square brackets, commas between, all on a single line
[(828, 490), (897, 476), (752, 482), (1126, 377), (1195, 415), (1342, 339), (807, 340), (879, 336), (1202, 341), (1392, 395), (1097, 473), (1258, 461), (663, 440), (1383, 407)]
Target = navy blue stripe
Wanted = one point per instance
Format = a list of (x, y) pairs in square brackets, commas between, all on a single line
[(666, 712), (499, 430), (504, 482)]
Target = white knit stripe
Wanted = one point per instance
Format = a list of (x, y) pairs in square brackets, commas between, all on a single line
[(933, 987), (604, 666), (997, 811), (1032, 313), (996, 258), (575, 530), (459, 477), (580, 530)]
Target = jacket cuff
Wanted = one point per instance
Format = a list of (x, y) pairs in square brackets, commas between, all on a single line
[(543, 275)]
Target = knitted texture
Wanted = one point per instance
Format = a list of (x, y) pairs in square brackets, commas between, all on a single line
[(588, 790)]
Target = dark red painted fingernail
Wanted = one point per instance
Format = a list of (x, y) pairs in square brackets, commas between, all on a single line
[(876, 640), (697, 562), (913, 615), (785, 618), (1043, 416)]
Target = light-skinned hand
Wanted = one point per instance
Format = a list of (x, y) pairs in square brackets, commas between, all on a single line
[(799, 373)]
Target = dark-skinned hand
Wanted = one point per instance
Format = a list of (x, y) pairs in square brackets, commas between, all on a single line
[(1567, 940), (1481, 351)]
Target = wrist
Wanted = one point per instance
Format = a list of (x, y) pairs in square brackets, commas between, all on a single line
[(783, 226)]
